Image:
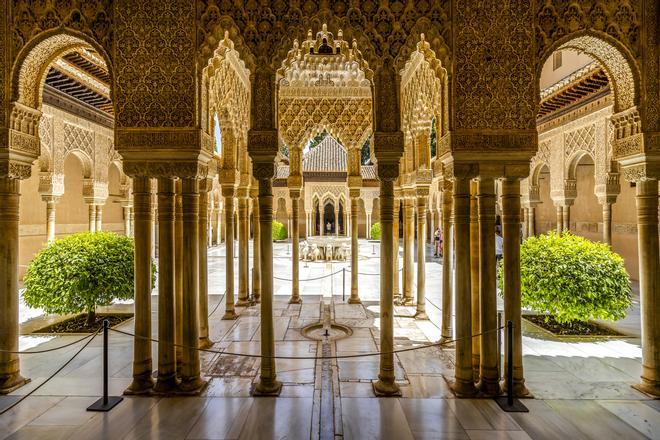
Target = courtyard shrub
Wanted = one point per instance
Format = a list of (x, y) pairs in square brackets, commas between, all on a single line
[(572, 278), (375, 231), (279, 231), (80, 272)]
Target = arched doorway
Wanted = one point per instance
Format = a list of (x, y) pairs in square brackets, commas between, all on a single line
[(328, 224)]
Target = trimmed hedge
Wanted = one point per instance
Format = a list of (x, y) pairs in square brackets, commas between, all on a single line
[(375, 231), (81, 272), (572, 278), (279, 231)]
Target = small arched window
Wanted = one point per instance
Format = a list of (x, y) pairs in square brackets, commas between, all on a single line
[(217, 134)]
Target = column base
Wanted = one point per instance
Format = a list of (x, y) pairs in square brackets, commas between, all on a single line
[(462, 388), (271, 388), (404, 301), (166, 385), (205, 342), (295, 300), (386, 388), (12, 383), (352, 300), (191, 386), (489, 387), (141, 386), (519, 389), (229, 316), (447, 342), (242, 302), (648, 387), (421, 316)]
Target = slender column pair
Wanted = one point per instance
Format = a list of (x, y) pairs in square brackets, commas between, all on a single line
[(295, 260), (10, 377), (243, 249), (474, 276), (256, 247), (228, 193), (408, 248), (355, 206), (421, 256)]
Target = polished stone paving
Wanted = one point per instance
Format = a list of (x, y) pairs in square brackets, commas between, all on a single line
[(582, 388)]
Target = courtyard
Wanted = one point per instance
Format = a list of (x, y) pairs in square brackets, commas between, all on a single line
[(581, 387)]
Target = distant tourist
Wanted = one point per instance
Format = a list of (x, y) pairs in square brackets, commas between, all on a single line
[(499, 244), (328, 227), (438, 243)]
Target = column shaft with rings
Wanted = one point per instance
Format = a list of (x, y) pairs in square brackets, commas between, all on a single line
[(178, 271), (511, 279), (127, 220), (474, 276), (531, 218), (142, 362), (396, 290), (167, 381), (228, 192), (99, 218), (204, 186), (256, 248), (607, 223), (243, 248), (489, 383), (649, 284), (268, 383), (464, 375), (422, 197), (51, 202), (560, 219), (191, 381), (566, 218), (294, 193), (447, 328), (10, 377), (92, 218), (408, 248), (354, 194)]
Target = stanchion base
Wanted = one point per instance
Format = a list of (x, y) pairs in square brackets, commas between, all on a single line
[(517, 406), (100, 406)]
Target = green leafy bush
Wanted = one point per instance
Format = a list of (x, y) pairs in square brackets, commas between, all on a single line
[(375, 231), (572, 278), (279, 231), (80, 272)]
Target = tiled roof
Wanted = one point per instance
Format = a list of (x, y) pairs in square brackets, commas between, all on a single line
[(327, 157)]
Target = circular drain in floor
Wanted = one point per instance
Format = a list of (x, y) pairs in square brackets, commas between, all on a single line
[(322, 332)]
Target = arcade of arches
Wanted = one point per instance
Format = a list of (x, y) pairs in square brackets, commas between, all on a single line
[(192, 125)]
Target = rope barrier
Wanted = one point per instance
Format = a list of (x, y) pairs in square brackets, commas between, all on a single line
[(48, 350), (315, 358), (91, 338), (309, 279)]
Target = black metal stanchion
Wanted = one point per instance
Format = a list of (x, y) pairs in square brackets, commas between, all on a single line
[(343, 284), (105, 403), (508, 403), (499, 345)]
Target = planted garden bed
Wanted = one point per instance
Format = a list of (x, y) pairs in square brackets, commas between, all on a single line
[(79, 324), (573, 328)]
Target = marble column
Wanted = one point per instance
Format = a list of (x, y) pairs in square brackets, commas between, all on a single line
[(511, 278), (474, 276), (560, 219), (421, 257), (99, 218), (531, 218), (127, 221), (50, 218), (649, 284), (408, 248), (268, 384), (178, 271), (243, 249), (256, 249), (396, 290), (607, 223), (228, 193), (191, 381), (218, 229), (566, 218), (142, 363), (204, 341), (10, 376), (525, 223), (132, 221), (92, 217), (295, 249), (386, 384), (464, 377), (489, 382), (447, 327), (355, 207), (337, 220), (167, 381)]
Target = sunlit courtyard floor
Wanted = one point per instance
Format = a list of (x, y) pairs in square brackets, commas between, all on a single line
[(582, 388)]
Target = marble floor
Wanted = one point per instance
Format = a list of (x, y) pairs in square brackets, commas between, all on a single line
[(582, 388)]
